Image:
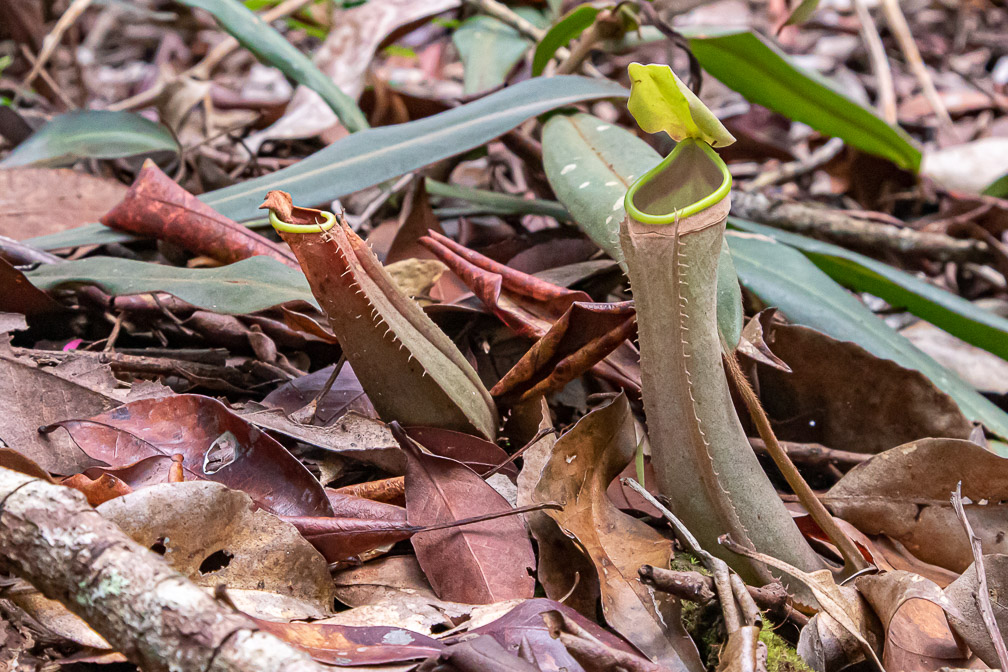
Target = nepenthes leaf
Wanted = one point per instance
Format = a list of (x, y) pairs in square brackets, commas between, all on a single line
[(409, 368)]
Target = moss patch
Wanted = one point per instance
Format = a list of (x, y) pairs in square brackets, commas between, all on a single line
[(781, 656)]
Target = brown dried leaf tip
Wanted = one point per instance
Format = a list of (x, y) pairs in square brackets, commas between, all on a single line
[(281, 203)]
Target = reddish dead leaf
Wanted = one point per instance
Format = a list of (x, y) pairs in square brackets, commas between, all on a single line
[(158, 207), (18, 295), (296, 397), (526, 304), (340, 539), (576, 334), (476, 564), (98, 490), (478, 454), (216, 445), (581, 339), (40, 201), (347, 645), (390, 342), (524, 625)]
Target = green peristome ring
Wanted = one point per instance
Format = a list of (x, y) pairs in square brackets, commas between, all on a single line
[(703, 203), (330, 221)]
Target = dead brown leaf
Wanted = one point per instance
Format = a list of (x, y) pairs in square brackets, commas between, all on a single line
[(582, 464), (39, 201), (912, 610), (216, 445), (904, 494), (215, 536), (480, 563), (843, 397)]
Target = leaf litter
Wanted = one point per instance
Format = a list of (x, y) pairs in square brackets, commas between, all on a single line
[(387, 441)]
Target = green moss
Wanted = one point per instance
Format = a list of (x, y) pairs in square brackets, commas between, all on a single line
[(781, 656)]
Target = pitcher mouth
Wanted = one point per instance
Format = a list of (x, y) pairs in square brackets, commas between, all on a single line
[(689, 180)]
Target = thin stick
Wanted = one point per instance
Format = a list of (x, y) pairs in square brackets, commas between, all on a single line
[(879, 62), (901, 31), (792, 169), (852, 557), (982, 595), (543, 431), (54, 37)]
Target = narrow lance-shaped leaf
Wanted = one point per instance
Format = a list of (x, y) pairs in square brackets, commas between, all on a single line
[(749, 64), (390, 342), (367, 158), (563, 31), (243, 287), (91, 134), (938, 306), (271, 47)]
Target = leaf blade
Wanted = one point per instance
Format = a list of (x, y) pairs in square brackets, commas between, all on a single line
[(749, 64), (98, 134)]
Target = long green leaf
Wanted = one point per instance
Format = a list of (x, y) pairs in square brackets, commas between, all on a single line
[(243, 287), (94, 134), (590, 163), (749, 64), (781, 276), (563, 31), (370, 157), (488, 49), (864, 274), (271, 47)]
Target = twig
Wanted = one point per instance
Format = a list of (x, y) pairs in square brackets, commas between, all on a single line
[(792, 169), (901, 31), (153, 615), (814, 454), (716, 566), (982, 595), (505, 15), (839, 227), (852, 557), (879, 62), (54, 37), (56, 88), (697, 587)]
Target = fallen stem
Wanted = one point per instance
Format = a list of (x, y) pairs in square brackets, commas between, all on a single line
[(982, 595), (853, 559)]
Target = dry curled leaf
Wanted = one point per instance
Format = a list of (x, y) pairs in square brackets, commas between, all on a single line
[(158, 207)]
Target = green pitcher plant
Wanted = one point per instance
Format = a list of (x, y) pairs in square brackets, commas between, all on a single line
[(672, 238)]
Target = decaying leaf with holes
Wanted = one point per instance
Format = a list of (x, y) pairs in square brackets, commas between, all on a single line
[(409, 368)]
